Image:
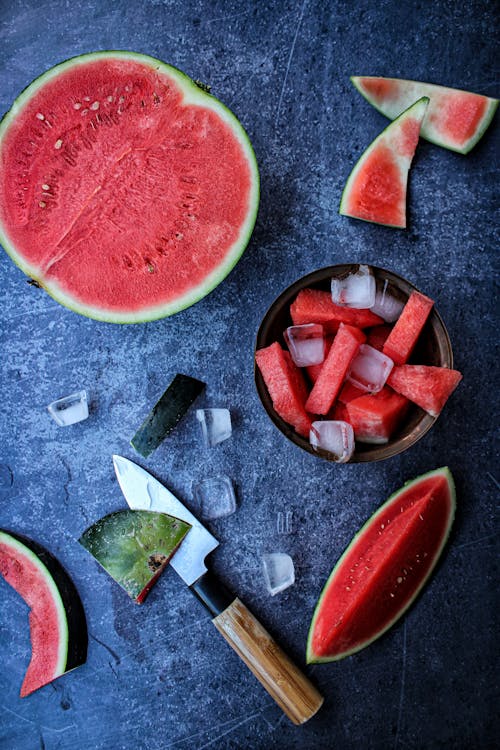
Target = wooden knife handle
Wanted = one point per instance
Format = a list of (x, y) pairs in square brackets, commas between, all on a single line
[(284, 682)]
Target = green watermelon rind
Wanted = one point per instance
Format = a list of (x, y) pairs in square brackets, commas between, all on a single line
[(445, 472), (193, 94), (415, 107), (469, 145)]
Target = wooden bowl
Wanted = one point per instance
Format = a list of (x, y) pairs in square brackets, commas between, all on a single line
[(433, 348)]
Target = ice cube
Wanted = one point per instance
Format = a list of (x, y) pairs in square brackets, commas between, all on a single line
[(355, 290), (215, 425), (370, 369), (386, 306), (279, 572), (214, 497), (284, 522), (70, 409), (334, 436), (306, 344)]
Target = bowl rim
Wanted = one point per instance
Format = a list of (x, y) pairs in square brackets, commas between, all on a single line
[(377, 452)]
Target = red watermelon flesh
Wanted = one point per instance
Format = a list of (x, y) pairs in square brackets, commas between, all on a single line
[(429, 387), (316, 306), (55, 614), (384, 568), (126, 191), (403, 337), (375, 417), (376, 188), (377, 336), (349, 392), (286, 386), (455, 119), (343, 350)]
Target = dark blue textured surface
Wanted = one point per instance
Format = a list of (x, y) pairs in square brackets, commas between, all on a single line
[(160, 676)]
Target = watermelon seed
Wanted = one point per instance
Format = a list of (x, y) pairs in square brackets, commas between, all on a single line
[(84, 112), (77, 105), (179, 236), (121, 99), (94, 105), (110, 98), (42, 204), (86, 98), (392, 596), (58, 144), (399, 579), (40, 116)]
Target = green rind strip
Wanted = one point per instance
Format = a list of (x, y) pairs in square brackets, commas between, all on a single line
[(166, 413), (445, 472), (192, 95), (19, 548), (430, 87), (412, 111)]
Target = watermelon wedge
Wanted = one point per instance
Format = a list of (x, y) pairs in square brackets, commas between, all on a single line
[(58, 629), (403, 337), (316, 306), (384, 568), (286, 386), (326, 388), (429, 387), (126, 191), (455, 119), (134, 547), (376, 188)]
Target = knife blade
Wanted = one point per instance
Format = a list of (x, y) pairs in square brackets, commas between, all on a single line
[(283, 680)]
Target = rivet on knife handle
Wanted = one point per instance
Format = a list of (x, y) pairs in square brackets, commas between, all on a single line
[(282, 679)]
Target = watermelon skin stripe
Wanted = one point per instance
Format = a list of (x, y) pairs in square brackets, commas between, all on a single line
[(443, 472), (73, 633)]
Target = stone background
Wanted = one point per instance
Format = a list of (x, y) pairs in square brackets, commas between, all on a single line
[(160, 676)]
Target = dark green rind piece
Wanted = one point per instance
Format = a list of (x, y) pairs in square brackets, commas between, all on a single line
[(134, 546), (166, 413)]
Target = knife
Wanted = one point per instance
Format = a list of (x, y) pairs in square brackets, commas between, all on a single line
[(282, 679)]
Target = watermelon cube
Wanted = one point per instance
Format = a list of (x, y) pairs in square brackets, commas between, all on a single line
[(286, 386), (429, 387), (375, 417), (403, 337), (377, 336), (343, 350), (316, 306)]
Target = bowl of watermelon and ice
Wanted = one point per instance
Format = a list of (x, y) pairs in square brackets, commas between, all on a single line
[(353, 363)]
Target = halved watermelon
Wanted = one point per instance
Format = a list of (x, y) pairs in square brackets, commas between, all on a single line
[(286, 386), (429, 387), (384, 568), (376, 188), (326, 388), (58, 628), (316, 306), (126, 190), (403, 337), (455, 119)]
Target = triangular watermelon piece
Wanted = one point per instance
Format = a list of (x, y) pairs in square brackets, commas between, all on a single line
[(286, 386), (428, 387), (316, 306), (455, 119), (376, 188)]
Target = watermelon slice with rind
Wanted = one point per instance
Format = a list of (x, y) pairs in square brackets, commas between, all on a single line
[(126, 191), (455, 119), (134, 547), (376, 188), (384, 568), (58, 629)]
